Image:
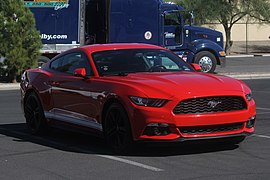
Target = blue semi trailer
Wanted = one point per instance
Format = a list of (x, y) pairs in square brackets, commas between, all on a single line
[(64, 24)]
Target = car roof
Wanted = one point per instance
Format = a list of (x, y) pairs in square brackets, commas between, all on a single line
[(105, 47)]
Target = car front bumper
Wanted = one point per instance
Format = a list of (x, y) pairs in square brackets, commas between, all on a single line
[(191, 126)]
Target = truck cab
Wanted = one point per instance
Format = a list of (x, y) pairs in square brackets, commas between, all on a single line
[(194, 44)]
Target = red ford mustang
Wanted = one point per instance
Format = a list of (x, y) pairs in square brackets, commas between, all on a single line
[(135, 92)]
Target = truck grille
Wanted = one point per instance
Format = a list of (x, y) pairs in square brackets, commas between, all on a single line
[(197, 130), (210, 105)]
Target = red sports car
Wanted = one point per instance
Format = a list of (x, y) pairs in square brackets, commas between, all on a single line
[(135, 92)]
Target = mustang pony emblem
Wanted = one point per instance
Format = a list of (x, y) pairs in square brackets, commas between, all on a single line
[(213, 104)]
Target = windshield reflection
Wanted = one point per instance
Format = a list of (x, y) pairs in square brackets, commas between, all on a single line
[(123, 62)]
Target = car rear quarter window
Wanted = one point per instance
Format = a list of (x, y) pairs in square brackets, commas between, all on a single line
[(56, 63), (68, 63)]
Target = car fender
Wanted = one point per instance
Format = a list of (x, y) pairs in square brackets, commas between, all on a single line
[(30, 84)]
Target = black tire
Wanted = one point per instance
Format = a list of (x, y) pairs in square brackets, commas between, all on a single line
[(207, 61), (116, 128), (34, 115)]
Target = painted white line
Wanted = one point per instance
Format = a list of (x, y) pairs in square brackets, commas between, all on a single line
[(103, 156), (259, 108), (261, 136), (131, 162)]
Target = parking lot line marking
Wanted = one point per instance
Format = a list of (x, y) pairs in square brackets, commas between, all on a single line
[(131, 163), (259, 108), (261, 136), (103, 156)]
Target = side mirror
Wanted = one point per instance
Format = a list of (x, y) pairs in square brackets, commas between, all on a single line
[(191, 18), (196, 67), (80, 72)]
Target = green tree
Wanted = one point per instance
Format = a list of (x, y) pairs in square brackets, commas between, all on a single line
[(227, 12), (19, 40)]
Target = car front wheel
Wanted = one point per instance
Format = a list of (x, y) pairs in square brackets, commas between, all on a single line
[(34, 115), (117, 129)]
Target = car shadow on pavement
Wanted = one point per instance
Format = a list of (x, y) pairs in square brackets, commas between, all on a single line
[(87, 144)]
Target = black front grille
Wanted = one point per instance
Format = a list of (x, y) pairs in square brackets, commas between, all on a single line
[(210, 105), (197, 130)]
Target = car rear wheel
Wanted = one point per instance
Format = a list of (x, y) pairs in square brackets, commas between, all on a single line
[(34, 115), (117, 129)]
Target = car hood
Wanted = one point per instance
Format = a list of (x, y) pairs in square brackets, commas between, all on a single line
[(168, 84)]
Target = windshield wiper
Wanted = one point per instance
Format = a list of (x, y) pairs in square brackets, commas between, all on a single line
[(116, 74), (123, 74)]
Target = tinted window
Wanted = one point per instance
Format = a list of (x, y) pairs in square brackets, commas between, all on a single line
[(56, 63), (70, 62), (172, 19), (117, 62)]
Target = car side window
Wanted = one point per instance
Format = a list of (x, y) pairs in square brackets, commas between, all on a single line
[(56, 63), (169, 64), (68, 63)]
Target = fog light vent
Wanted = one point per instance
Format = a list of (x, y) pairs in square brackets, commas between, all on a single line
[(251, 122), (157, 129)]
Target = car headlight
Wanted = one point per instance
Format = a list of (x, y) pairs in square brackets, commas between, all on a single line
[(150, 102), (249, 96)]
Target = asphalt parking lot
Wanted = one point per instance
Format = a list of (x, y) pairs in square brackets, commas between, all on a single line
[(67, 155)]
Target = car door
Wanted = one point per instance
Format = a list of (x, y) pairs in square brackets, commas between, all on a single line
[(74, 97)]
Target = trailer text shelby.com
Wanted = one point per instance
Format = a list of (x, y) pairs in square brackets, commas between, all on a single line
[(53, 36)]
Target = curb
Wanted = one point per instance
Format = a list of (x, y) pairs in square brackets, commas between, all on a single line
[(247, 76), (9, 86), (248, 55)]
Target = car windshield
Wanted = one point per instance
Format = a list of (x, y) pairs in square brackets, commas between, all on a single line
[(125, 61)]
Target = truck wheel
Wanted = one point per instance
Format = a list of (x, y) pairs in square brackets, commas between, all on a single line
[(207, 61), (42, 60)]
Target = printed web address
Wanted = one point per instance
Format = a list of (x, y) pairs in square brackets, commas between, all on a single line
[(52, 37)]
